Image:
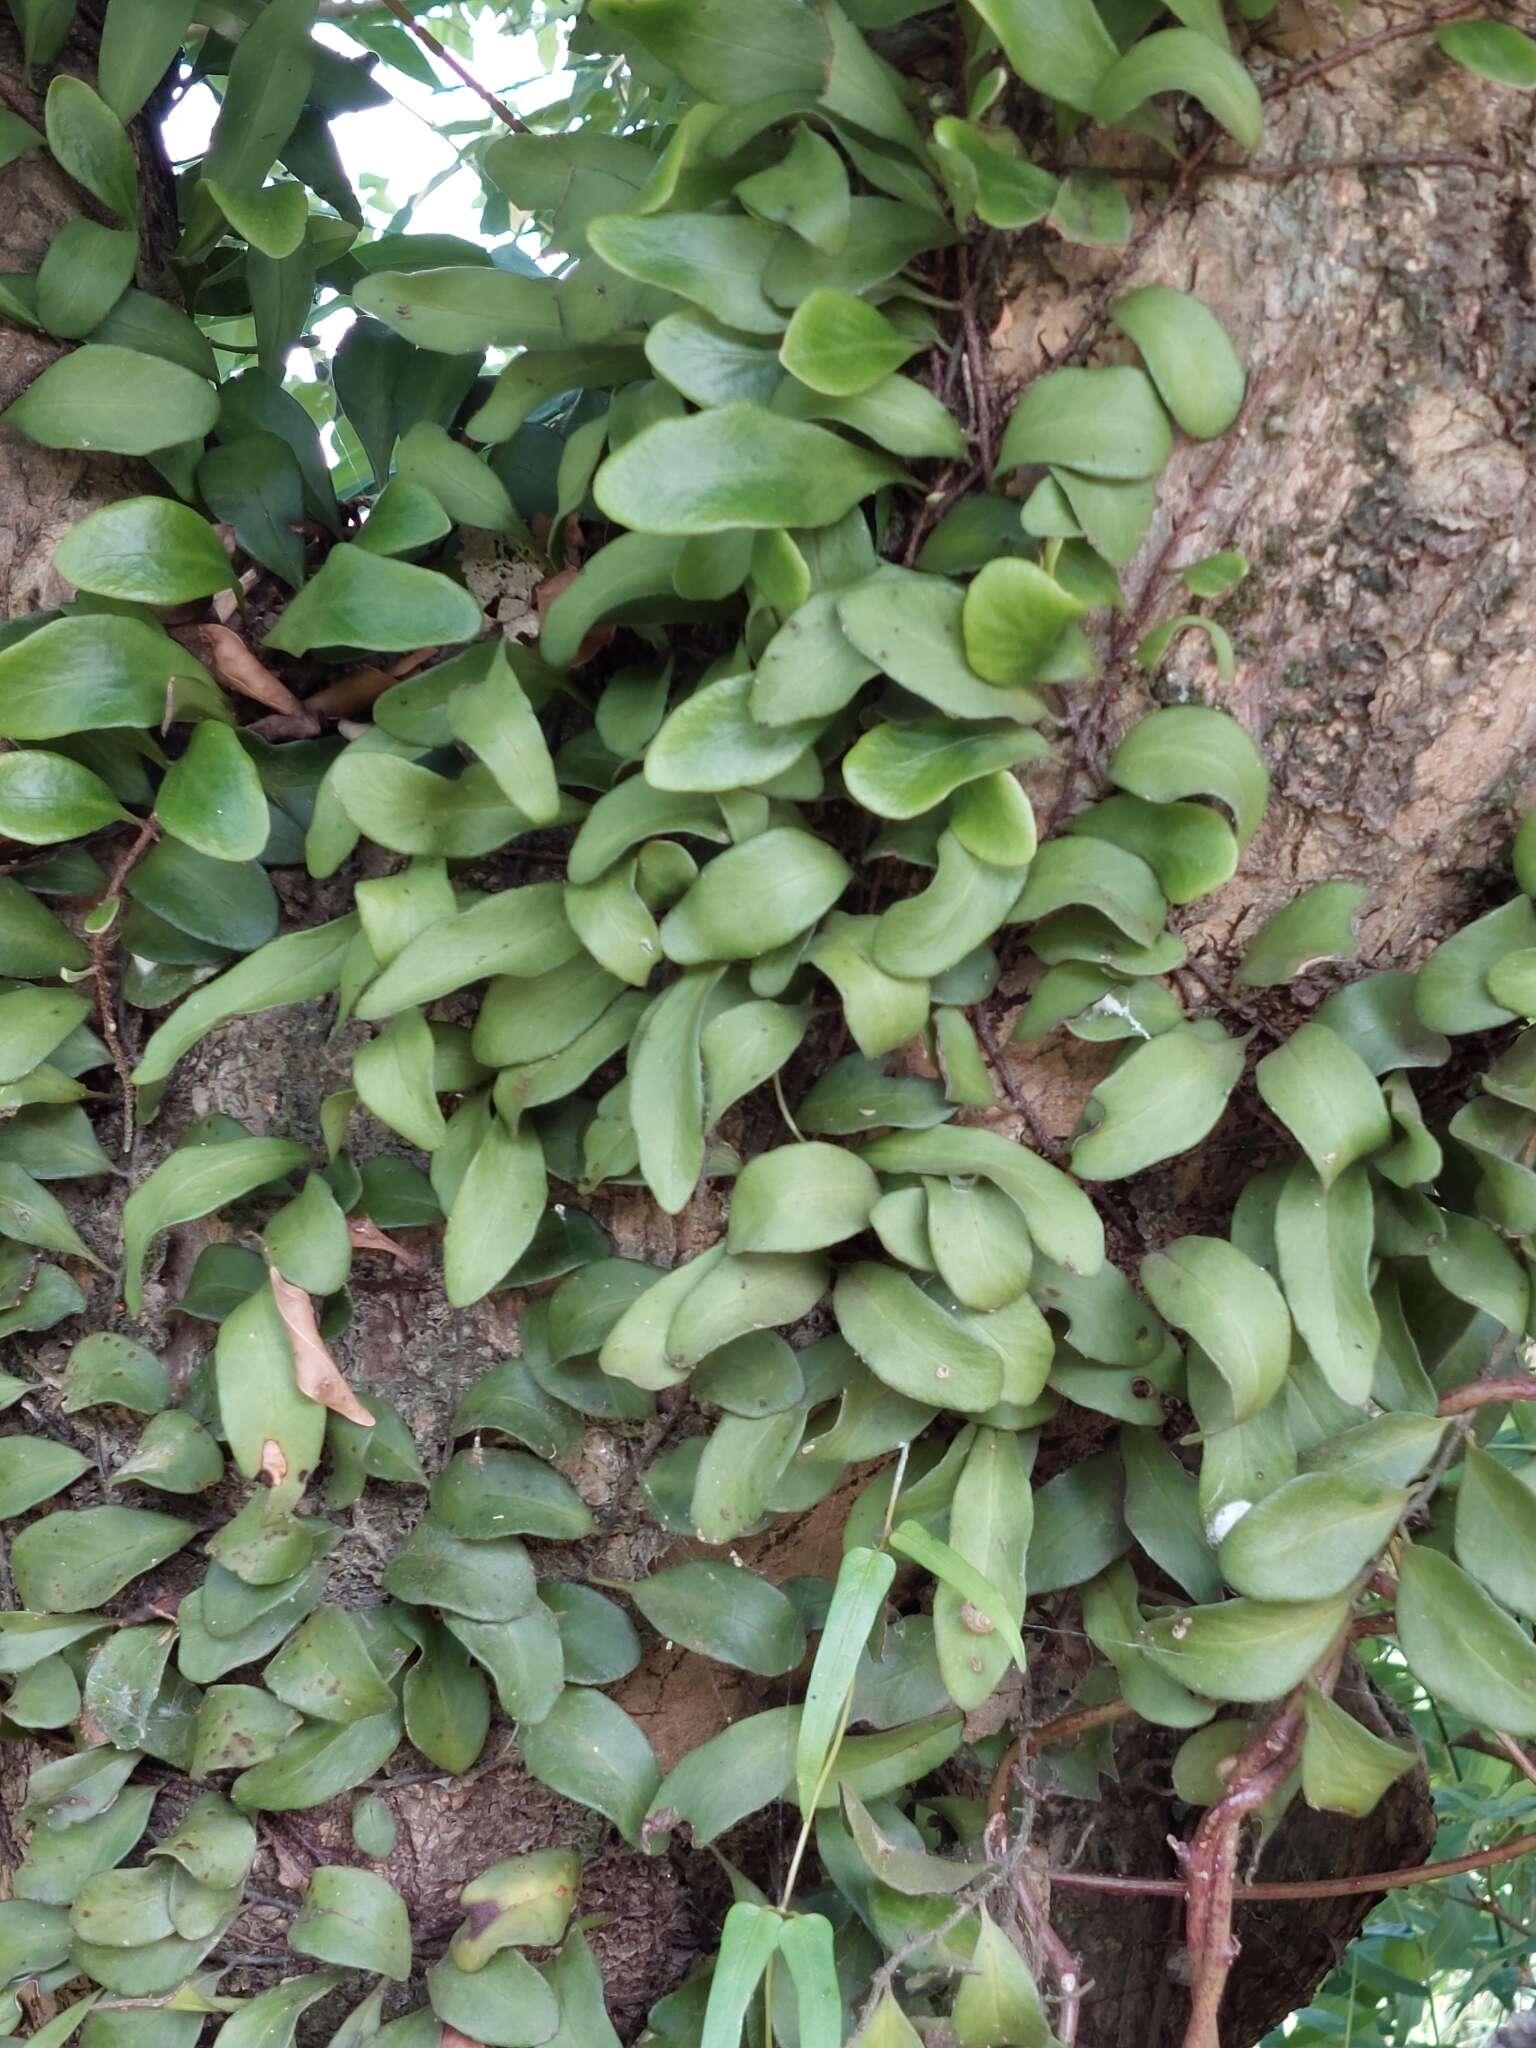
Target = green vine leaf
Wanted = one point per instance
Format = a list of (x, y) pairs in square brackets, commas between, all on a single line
[(736, 466), (1183, 60), (1462, 1645), (1105, 422), (1188, 356), (1061, 51), (103, 396)]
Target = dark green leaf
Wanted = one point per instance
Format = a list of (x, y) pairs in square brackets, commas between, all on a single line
[(1233, 1310), (269, 81), (82, 674), (1311, 1537), (139, 41), (724, 1613), (590, 1750), (89, 141), (1465, 1649), (355, 1919), (1161, 1100), (70, 1561), (191, 1183), (784, 48), (1191, 750), (146, 551), (46, 798), (1491, 49), (1104, 422), (1316, 925)]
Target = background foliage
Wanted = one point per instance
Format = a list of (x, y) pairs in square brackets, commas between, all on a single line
[(647, 618)]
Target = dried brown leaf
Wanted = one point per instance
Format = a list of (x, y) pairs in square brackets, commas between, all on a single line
[(316, 1371), (294, 1867), (41, 2006), (364, 1235), (274, 1463), (545, 593), (222, 650), (279, 726), (360, 687), (353, 692)]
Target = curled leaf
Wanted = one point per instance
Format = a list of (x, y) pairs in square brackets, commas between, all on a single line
[(221, 649), (318, 1374), (364, 1235)]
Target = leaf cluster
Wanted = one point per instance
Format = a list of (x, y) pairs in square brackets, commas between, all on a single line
[(624, 865)]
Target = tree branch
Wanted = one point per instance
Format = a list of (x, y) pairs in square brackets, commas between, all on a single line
[(1063, 1965), (1318, 67), (1210, 1858), (1516, 1754), (1486, 1394), (428, 41), (1065, 1728), (1319, 1888), (1198, 166)]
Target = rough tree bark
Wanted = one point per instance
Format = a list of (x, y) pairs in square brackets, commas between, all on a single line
[(42, 492), (1374, 267)]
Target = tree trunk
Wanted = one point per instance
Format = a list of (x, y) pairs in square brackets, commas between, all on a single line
[(44, 492), (1373, 266)]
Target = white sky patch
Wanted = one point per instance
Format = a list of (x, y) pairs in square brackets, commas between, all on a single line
[(393, 153), (401, 143)]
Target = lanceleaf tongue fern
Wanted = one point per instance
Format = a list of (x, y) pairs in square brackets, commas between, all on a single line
[(672, 866)]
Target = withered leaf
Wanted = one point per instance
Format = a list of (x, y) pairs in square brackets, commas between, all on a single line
[(316, 1371)]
